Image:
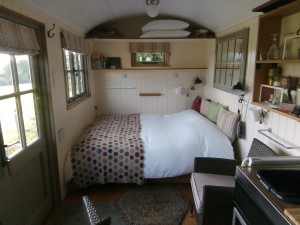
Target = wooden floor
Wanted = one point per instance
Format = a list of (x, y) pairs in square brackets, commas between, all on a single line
[(111, 192)]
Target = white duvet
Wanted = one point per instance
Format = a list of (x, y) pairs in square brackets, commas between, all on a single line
[(171, 142)]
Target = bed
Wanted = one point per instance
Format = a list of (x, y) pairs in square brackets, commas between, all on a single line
[(132, 148)]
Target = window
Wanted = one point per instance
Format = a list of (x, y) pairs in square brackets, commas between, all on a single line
[(75, 51), (150, 53), (150, 59), (76, 77)]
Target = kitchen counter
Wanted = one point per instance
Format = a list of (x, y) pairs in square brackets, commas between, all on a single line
[(275, 210)]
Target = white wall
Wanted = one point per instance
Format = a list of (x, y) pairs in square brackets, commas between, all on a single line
[(118, 90), (73, 120), (121, 95)]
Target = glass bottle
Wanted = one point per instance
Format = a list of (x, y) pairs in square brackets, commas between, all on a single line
[(273, 53)]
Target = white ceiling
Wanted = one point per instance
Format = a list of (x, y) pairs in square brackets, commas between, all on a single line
[(84, 15)]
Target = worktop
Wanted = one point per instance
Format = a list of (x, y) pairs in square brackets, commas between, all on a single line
[(264, 203)]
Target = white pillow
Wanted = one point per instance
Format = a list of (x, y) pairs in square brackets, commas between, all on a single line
[(165, 34), (166, 24)]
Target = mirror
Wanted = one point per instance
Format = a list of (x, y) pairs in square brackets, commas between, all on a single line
[(230, 63)]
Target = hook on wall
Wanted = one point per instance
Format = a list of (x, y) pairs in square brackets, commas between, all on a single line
[(48, 32)]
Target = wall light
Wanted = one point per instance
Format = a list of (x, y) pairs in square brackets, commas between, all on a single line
[(152, 8)]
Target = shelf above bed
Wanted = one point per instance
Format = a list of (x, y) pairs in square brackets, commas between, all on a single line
[(156, 68)]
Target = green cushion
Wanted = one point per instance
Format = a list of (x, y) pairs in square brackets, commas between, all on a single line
[(213, 111)]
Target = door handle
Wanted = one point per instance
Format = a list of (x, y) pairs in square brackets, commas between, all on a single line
[(3, 157), (9, 145)]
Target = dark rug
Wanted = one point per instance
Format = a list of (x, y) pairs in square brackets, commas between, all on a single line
[(148, 204), (153, 204), (73, 214)]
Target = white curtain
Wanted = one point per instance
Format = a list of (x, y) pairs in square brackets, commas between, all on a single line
[(72, 42), (150, 47), (17, 39)]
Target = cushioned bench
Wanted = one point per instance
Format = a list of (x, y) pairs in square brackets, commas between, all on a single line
[(213, 184)]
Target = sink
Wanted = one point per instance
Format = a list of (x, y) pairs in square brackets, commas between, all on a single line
[(283, 183)]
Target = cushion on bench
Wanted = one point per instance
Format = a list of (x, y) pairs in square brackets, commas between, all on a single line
[(199, 179)]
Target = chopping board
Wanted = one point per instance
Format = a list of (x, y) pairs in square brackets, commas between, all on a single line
[(293, 215)]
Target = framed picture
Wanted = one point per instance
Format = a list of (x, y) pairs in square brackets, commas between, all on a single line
[(114, 62)]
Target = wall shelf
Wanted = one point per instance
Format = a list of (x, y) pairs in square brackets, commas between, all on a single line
[(156, 68), (150, 94), (149, 39), (276, 21), (282, 61)]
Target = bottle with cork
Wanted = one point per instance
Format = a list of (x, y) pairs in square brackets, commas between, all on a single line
[(273, 72)]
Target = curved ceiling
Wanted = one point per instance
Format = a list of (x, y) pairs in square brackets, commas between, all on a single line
[(83, 15)]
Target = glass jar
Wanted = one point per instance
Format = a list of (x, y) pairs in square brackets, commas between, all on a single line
[(277, 81)]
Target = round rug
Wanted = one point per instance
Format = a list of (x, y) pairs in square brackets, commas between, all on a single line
[(153, 204)]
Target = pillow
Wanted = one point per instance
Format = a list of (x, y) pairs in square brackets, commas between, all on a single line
[(196, 104), (204, 107), (166, 24), (227, 122), (213, 111), (165, 34)]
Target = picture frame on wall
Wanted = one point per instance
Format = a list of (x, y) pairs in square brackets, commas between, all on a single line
[(114, 62)]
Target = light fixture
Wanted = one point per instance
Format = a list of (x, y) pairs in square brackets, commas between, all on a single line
[(152, 7), (196, 81)]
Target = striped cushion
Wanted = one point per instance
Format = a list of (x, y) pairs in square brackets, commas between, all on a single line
[(204, 107), (227, 122)]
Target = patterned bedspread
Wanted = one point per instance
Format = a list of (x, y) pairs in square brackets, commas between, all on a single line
[(109, 150)]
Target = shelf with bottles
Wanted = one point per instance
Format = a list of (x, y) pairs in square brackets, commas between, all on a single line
[(278, 61), (276, 27), (279, 111)]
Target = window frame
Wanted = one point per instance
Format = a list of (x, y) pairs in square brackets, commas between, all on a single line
[(165, 62), (76, 98)]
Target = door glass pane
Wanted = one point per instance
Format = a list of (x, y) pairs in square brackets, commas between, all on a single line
[(29, 117), (228, 81), (9, 125), (24, 74), (222, 76), (217, 77), (231, 55), (6, 81), (236, 76), (224, 52), (238, 53)]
